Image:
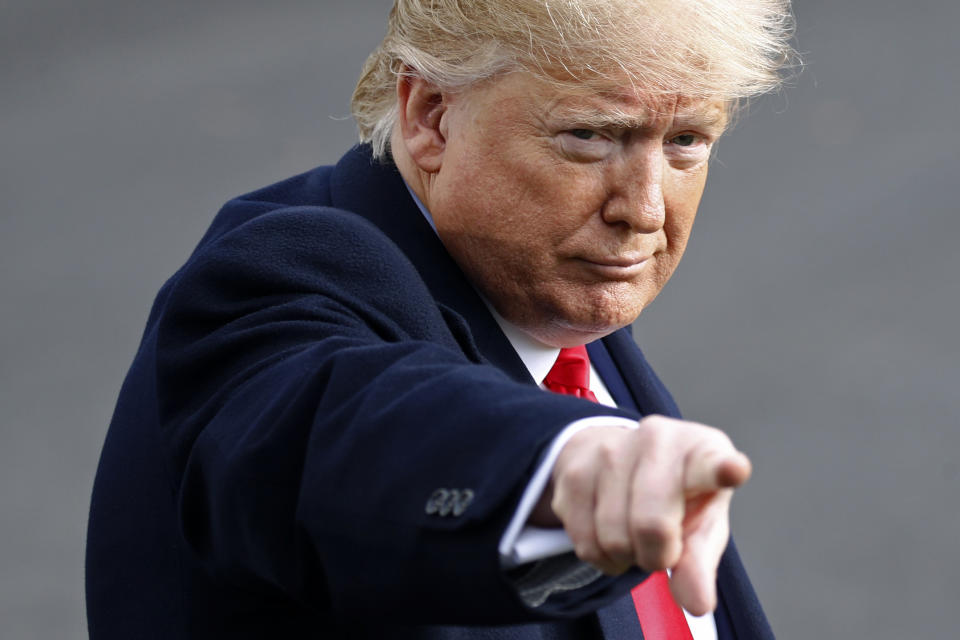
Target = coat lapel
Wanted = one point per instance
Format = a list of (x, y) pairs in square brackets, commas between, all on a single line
[(739, 601)]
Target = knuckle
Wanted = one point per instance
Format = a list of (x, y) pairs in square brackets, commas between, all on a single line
[(657, 423), (609, 522), (575, 476), (612, 533), (655, 434), (652, 561), (647, 428), (616, 545), (607, 454), (658, 557), (589, 552), (653, 531), (654, 418)]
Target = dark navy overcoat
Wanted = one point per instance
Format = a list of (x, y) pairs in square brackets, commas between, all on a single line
[(310, 377)]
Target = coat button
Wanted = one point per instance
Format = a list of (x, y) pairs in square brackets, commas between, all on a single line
[(445, 502)]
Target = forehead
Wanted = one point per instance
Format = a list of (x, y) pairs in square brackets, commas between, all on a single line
[(623, 107), (634, 108)]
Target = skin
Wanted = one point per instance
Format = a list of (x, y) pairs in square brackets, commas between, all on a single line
[(569, 227), (569, 210)]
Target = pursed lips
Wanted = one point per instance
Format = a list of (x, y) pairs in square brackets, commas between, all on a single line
[(618, 267)]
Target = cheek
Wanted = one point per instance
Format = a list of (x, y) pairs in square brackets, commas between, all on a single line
[(681, 204), (530, 211), (681, 199), (678, 228)]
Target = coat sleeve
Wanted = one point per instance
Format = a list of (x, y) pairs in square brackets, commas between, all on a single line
[(312, 399)]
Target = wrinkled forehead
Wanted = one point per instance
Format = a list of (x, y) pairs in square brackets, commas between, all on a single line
[(635, 107), (611, 104)]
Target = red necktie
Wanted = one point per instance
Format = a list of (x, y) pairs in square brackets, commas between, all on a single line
[(660, 617)]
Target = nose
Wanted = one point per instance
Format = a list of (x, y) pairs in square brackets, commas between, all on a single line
[(636, 191)]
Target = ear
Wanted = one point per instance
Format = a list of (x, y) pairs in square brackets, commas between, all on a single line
[(422, 128)]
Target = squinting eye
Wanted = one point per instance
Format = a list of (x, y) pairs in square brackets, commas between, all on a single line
[(684, 140), (583, 134)]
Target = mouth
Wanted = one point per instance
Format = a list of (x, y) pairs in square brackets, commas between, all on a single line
[(624, 267)]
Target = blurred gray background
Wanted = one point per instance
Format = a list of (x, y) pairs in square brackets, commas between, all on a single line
[(814, 316)]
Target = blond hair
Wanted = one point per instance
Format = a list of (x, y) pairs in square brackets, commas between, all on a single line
[(717, 49)]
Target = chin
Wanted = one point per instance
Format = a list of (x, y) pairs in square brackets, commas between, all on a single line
[(564, 337), (574, 331), (603, 317), (593, 315)]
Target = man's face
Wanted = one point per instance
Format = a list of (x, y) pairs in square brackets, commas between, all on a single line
[(569, 211)]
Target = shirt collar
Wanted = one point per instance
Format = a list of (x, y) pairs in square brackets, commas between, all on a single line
[(539, 358), (420, 205)]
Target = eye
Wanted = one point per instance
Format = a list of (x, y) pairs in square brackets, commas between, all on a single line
[(585, 145), (685, 140), (583, 134)]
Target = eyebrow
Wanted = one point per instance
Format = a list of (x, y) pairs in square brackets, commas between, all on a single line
[(713, 118)]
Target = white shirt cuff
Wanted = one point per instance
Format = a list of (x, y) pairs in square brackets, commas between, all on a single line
[(521, 543)]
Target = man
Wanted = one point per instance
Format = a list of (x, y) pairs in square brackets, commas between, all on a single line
[(338, 423)]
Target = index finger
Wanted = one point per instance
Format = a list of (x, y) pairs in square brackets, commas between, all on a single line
[(713, 467)]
